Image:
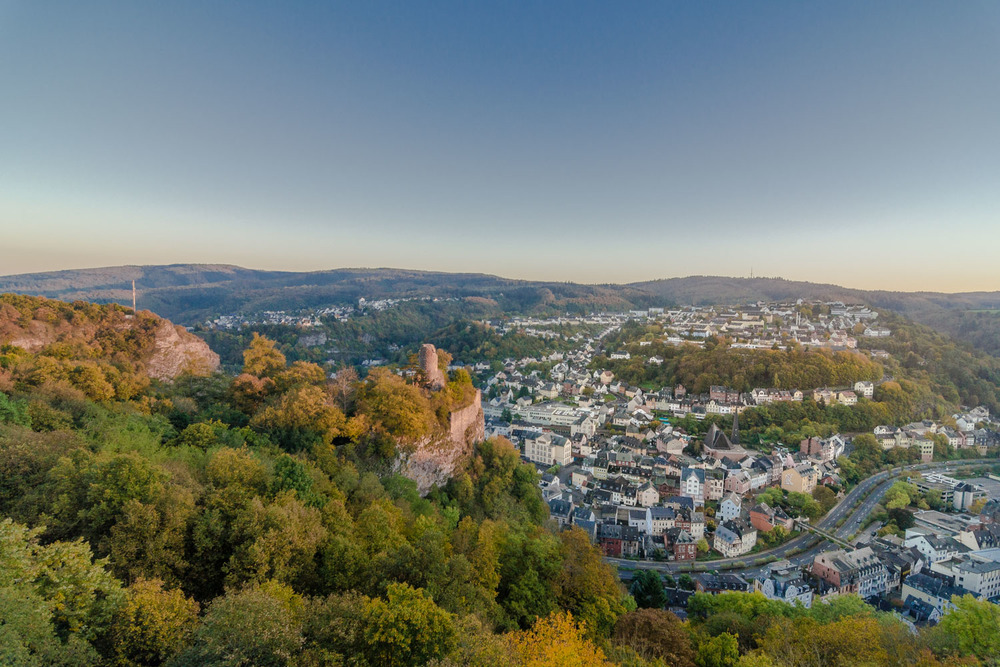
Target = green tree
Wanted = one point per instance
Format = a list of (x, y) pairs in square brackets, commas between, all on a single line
[(899, 495), (655, 634), (277, 541), (80, 596), (90, 491), (719, 651), (933, 498), (259, 626), (975, 626), (587, 586), (647, 589), (301, 418), (13, 411), (406, 628), (28, 614), (826, 498)]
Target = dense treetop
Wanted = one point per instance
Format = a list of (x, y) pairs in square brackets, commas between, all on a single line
[(258, 520)]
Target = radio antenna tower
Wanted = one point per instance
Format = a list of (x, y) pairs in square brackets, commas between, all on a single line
[(133, 297)]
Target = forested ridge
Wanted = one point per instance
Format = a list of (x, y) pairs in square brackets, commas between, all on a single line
[(191, 293), (256, 519)]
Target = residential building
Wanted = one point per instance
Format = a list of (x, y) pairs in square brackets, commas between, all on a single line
[(561, 510), (765, 518), (734, 538), (802, 478), (934, 591), (693, 484), (729, 508), (934, 547), (647, 495), (981, 577), (782, 581), (659, 519), (864, 388), (549, 449), (681, 544), (859, 571)]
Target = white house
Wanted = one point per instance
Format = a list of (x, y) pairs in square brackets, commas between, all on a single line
[(734, 538), (864, 388), (693, 484), (729, 508)]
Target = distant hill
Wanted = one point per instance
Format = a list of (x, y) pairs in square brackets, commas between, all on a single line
[(708, 290), (192, 293)]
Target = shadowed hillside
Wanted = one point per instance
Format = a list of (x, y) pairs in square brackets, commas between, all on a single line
[(192, 293), (189, 293)]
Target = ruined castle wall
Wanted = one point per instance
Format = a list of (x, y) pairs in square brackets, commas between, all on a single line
[(435, 460), (467, 425)]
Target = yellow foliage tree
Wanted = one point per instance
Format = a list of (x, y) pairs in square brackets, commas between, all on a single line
[(153, 624), (303, 417), (401, 409), (556, 641), (804, 642), (263, 359)]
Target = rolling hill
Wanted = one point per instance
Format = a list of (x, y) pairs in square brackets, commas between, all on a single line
[(192, 293)]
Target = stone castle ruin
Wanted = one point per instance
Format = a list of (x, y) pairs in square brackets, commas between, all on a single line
[(436, 458), (428, 360)]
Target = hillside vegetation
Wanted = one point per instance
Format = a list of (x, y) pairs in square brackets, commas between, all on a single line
[(698, 368), (258, 520), (259, 517), (193, 293), (105, 352)]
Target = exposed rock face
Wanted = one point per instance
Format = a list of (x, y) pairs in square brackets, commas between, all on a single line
[(177, 351), (152, 343), (434, 460), (428, 359), (467, 424)]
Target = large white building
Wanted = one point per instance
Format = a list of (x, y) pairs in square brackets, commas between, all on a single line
[(551, 414), (549, 449), (981, 577)]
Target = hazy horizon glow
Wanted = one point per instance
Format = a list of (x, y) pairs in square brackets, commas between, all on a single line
[(851, 143)]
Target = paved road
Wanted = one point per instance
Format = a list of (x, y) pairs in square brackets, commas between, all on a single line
[(877, 484)]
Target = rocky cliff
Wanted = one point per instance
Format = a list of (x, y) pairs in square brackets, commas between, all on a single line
[(435, 459), (83, 332), (178, 351)]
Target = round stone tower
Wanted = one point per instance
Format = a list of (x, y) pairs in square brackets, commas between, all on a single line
[(428, 360)]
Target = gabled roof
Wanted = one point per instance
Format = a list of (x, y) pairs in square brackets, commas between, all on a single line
[(698, 473), (731, 497), (560, 507)]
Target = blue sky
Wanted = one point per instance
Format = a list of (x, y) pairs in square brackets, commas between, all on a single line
[(856, 143)]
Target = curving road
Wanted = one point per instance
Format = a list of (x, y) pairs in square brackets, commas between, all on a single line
[(877, 485)]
